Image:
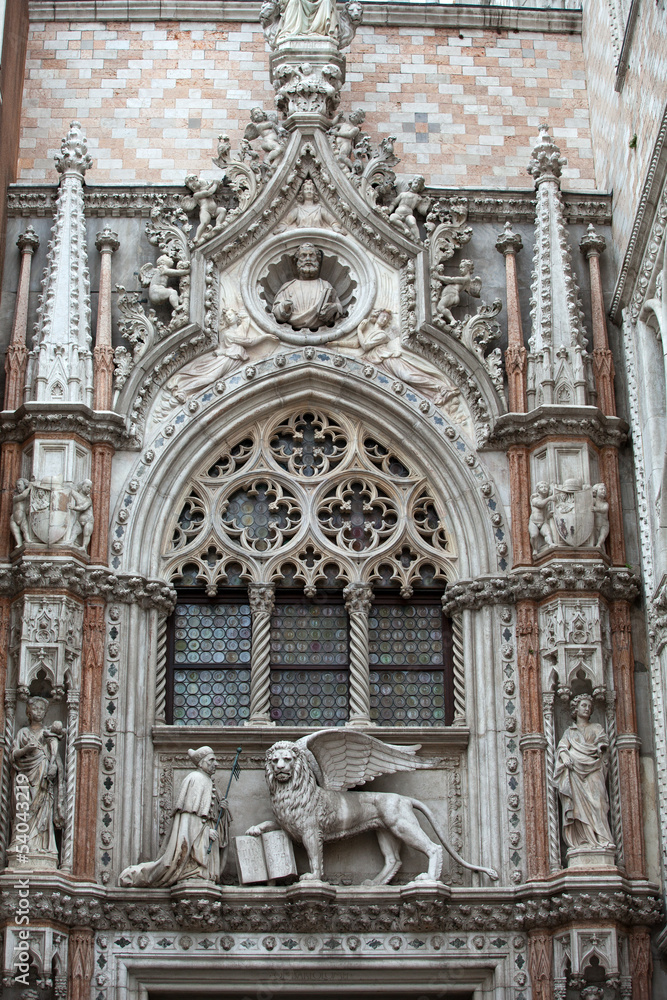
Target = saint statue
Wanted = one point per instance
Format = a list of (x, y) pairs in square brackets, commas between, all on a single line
[(308, 17), (580, 775), (185, 853), (39, 789), (307, 300)]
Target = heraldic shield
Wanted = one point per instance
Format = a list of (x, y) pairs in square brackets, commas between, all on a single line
[(573, 513), (49, 514)]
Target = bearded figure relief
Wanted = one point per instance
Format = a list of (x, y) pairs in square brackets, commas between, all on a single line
[(309, 782), (307, 300)]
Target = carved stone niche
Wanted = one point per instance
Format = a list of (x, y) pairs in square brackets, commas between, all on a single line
[(574, 647), (568, 504), (592, 964), (43, 951), (46, 642), (346, 273)]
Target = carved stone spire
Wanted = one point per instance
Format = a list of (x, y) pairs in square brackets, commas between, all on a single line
[(558, 363), (60, 363)]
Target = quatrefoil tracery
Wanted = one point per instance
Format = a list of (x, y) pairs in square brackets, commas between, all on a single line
[(312, 500)]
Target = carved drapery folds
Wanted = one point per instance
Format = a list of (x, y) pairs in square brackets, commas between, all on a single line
[(60, 367)]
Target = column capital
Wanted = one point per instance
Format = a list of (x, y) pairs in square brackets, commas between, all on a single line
[(509, 241), (28, 241), (261, 597), (358, 598), (107, 241), (592, 244)]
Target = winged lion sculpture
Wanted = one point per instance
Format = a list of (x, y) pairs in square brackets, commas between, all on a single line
[(309, 782)]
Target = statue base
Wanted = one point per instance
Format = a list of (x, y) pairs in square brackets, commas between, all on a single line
[(591, 857), (35, 861)]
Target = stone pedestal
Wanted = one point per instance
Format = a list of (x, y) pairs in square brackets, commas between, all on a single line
[(589, 857)]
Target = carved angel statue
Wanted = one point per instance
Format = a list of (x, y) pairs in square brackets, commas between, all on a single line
[(185, 852), (233, 338), (18, 523), (407, 205), (308, 783), (156, 277), (580, 775), (224, 151), (541, 506), (83, 521), (452, 288), (264, 125), (344, 134), (211, 214), (380, 341), (39, 789), (309, 213)]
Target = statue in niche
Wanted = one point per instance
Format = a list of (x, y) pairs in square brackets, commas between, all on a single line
[(580, 775), (538, 525), (452, 288), (185, 853), (81, 505), (308, 783), (39, 789), (407, 205), (307, 301), (233, 338), (211, 214), (156, 278), (308, 213), (381, 345), (264, 125)]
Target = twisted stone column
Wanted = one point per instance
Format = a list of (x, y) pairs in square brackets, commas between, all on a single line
[(358, 599), (107, 243), (509, 244), (70, 780), (17, 352), (6, 785), (262, 599), (592, 246)]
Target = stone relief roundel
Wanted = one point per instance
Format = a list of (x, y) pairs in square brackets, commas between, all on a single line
[(311, 286)]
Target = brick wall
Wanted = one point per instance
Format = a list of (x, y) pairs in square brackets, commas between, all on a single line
[(154, 97)]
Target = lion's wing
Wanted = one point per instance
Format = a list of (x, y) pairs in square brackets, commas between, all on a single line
[(347, 758)]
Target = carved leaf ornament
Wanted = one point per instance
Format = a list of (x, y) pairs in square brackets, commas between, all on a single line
[(308, 499)]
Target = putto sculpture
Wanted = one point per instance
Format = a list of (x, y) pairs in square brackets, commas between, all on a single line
[(309, 782), (185, 853), (571, 514), (307, 300), (51, 511)]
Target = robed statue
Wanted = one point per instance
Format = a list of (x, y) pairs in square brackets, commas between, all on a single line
[(307, 300), (185, 853), (308, 17)]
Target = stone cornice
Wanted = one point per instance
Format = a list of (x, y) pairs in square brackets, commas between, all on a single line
[(380, 14), (66, 418), (557, 421), (130, 200), (388, 908), (532, 583), (63, 573)]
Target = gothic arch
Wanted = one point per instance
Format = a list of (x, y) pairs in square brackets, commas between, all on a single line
[(439, 452)]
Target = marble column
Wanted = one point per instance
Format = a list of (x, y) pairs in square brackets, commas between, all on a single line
[(533, 742), (10, 470), (610, 476), (17, 352), (519, 469), (358, 599), (80, 961), (89, 743), (101, 457), (627, 741), (592, 245), (641, 963), (107, 243), (540, 964), (509, 244), (262, 599)]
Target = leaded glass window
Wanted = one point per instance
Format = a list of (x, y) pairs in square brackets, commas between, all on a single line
[(210, 652), (410, 663), (309, 663)]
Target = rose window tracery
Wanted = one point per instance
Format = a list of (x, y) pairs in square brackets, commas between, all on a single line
[(335, 548)]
